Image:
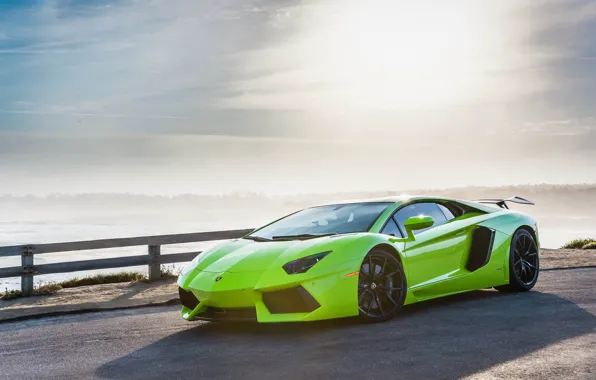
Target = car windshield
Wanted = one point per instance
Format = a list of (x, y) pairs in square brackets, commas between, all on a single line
[(324, 220)]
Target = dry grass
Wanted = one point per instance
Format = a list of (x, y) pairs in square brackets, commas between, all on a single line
[(103, 279), (10, 295), (43, 289), (581, 244), (170, 271), (167, 272)]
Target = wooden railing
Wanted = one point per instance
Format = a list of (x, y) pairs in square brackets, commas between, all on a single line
[(27, 270)]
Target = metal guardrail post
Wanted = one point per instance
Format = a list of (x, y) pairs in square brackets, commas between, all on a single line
[(27, 276), (154, 265)]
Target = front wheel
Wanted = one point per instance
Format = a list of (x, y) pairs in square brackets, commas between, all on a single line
[(381, 286), (524, 263)]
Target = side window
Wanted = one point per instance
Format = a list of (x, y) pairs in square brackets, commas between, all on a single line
[(391, 229), (448, 214), (427, 209)]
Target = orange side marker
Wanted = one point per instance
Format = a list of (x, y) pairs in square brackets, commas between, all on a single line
[(353, 274)]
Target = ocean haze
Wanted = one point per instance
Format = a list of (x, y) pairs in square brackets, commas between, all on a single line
[(178, 164), (564, 212), (118, 215)]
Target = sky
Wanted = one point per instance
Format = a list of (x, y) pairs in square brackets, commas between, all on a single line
[(282, 96)]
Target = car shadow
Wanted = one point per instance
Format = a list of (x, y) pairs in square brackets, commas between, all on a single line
[(442, 339)]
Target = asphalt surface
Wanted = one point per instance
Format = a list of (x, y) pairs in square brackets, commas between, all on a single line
[(544, 334)]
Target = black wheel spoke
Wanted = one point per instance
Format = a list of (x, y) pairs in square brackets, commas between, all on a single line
[(523, 241), (360, 296), (378, 301), (369, 305), (518, 244), (524, 274), (390, 274), (389, 289), (388, 296), (371, 268)]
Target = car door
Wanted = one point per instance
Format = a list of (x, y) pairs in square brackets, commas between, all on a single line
[(436, 253)]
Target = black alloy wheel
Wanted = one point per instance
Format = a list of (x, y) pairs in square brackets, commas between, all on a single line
[(524, 263), (381, 286)]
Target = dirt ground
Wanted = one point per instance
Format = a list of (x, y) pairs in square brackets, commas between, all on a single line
[(125, 295), (94, 297), (565, 258)]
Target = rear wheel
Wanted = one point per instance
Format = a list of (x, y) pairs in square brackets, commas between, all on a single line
[(381, 286), (524, 263)]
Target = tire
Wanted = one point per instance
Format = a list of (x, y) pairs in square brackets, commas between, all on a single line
[(524, 263), (382, 290)]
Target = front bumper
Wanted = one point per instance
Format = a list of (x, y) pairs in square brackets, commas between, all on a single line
[(287, 301), (266, 298)]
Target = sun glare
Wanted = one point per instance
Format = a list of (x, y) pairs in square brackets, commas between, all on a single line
[(405, 53)]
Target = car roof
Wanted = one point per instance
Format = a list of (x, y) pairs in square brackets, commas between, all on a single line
[(389, 199), (407, 198)]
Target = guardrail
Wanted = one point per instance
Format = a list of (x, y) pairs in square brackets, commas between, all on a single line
[(27, 270)]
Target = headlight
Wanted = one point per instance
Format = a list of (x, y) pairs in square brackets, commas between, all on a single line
[(304, 264), (193, 264)]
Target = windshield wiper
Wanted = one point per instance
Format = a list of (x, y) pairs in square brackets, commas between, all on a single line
[(256, 238), (299, 236)]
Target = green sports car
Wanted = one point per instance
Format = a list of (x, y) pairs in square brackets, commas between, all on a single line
[(363, 258)]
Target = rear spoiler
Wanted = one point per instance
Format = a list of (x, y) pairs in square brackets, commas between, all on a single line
[(502, 203)]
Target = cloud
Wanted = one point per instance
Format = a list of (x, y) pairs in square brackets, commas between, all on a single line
[(405, 55), (293, 68), (565, 127), (100, 115), (133, 58)]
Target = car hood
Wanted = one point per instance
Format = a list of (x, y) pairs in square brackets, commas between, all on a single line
[(243, 255)]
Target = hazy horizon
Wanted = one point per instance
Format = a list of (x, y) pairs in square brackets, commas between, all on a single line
[(265, 194), (563, 212)]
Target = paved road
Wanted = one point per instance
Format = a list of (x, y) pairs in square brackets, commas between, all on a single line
[(547, 333)]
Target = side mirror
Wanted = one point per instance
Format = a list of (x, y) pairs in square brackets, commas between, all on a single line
[(419, 222), (415, 223)]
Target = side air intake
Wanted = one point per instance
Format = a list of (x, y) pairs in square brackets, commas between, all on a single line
[(482, 245)]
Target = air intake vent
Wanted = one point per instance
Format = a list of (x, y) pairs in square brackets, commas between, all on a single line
[(294, 300), (481, 248), (187, 299)]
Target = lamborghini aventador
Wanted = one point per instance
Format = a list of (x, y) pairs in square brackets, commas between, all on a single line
[(363, 258)]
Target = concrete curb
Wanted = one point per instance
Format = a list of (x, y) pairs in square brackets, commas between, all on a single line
[(565, 268), (41, 315)]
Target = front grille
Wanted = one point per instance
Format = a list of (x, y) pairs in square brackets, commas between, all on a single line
[(228, 314), (187, 299), (294, 300)]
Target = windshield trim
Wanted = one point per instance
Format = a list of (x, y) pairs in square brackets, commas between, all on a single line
[(387, 203)]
